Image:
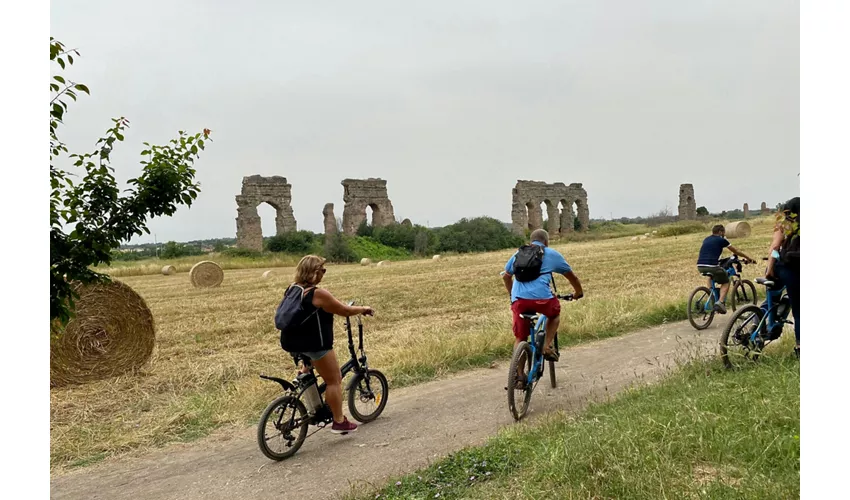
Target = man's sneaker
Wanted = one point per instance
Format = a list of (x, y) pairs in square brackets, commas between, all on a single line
[(720, 307), (344, 427)]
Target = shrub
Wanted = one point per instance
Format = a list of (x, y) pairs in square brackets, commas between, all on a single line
[(338, 249), (480, 234), (363, 246), (679, 228), (242, 252), (295, 242)]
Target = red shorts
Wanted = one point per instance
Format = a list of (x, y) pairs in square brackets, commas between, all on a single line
[(551, 308)]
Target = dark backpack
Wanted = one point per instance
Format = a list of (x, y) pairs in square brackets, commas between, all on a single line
[(789, 252), (290, 313), (528, 262)]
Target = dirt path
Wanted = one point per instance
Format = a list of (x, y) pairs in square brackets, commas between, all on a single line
[(419, 424)]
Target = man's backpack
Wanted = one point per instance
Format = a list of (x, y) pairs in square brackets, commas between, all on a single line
[(528, 262), (290, 312)]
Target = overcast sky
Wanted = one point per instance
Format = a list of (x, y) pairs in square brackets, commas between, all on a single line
[(450, 102)]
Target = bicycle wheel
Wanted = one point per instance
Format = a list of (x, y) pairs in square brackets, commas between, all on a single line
[(701, 308), (744, 292), (372, 399), (283, 423), (736, 348), (521, 358), (552, 365)]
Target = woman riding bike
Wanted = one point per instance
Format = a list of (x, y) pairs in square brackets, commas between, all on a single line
[(319, 307)]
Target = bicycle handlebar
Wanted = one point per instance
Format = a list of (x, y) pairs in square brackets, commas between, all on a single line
[(569, 297)]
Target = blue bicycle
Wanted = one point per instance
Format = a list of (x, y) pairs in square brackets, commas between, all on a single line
[(753, 327), (528, 356), (702, 301)]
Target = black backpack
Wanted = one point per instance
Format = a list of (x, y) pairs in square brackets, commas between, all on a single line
[(290, 314), (789, 252), (528, 262)]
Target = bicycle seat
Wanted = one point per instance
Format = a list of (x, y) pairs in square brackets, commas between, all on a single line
[(766, 282), (531, 316)]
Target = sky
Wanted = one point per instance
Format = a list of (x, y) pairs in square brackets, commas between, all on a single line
[(450, 102)]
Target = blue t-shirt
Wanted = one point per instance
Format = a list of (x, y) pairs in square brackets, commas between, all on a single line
[(712, 247), (553, 262)]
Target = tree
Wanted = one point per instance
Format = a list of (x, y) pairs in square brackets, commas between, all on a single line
[(702, 211), (86, 199)]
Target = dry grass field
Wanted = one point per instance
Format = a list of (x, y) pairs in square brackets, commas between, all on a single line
[(432, 318)]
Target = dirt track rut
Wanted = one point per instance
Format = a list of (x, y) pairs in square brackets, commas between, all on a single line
[(419, 425)]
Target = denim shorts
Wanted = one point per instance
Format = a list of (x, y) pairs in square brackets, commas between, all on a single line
[(315, 355)]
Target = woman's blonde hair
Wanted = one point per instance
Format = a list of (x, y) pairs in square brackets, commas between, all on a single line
[(307, 270)]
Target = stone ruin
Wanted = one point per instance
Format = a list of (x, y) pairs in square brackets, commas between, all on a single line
[(687, 203), (746, 210), (527, 214), (257, 189), (764, 209), (362, 193), (329, 218)]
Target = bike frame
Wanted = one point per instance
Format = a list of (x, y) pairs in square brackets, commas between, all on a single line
[(356, 364), (715, 290), (770, 320), (536, 354)]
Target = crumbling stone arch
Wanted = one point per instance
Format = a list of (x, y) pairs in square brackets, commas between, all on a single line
[(361, 193), (257, 189), (526, 212)]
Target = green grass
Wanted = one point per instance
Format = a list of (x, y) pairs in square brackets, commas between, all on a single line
[(704, 432), (371, 249)]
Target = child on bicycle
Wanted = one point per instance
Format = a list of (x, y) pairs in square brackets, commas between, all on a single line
[(709, 262), (531, 291)]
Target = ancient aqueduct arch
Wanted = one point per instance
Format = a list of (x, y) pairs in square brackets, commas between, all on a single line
[(526, 212), (359, 194), (255, 190)]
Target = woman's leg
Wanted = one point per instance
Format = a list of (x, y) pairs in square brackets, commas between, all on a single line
[(328, 368), (791, 279)]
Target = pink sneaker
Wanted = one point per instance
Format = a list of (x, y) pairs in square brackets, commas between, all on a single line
[(343, 428)]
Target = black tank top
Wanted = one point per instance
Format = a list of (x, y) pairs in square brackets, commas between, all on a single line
[(319, 324)]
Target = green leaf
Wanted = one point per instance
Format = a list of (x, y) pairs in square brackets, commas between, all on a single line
[(61, 62), (82, 88), (194, 149), (70, 59), (59, 79)]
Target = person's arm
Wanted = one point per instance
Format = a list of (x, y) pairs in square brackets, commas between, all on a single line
[(323, 299), (508, 278), (561, 267), (739, 253), (576, 283), (775, 244)]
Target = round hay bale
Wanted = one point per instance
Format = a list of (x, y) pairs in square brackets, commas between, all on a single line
[(206, 274), (436, 257), (655, 232), (365, 262), (267, 274), (634, 238), (169, 270), (739, 229), (383, 263), (112, 332)]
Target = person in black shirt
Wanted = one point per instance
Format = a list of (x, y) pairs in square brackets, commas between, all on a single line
[(709, 262), (784, 262), (308, 275)]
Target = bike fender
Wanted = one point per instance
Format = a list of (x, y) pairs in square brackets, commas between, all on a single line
[(287, 386), (354, 380)]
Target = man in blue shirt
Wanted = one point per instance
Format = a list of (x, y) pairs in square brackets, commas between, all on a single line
[(536, 295), (709, 262)]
